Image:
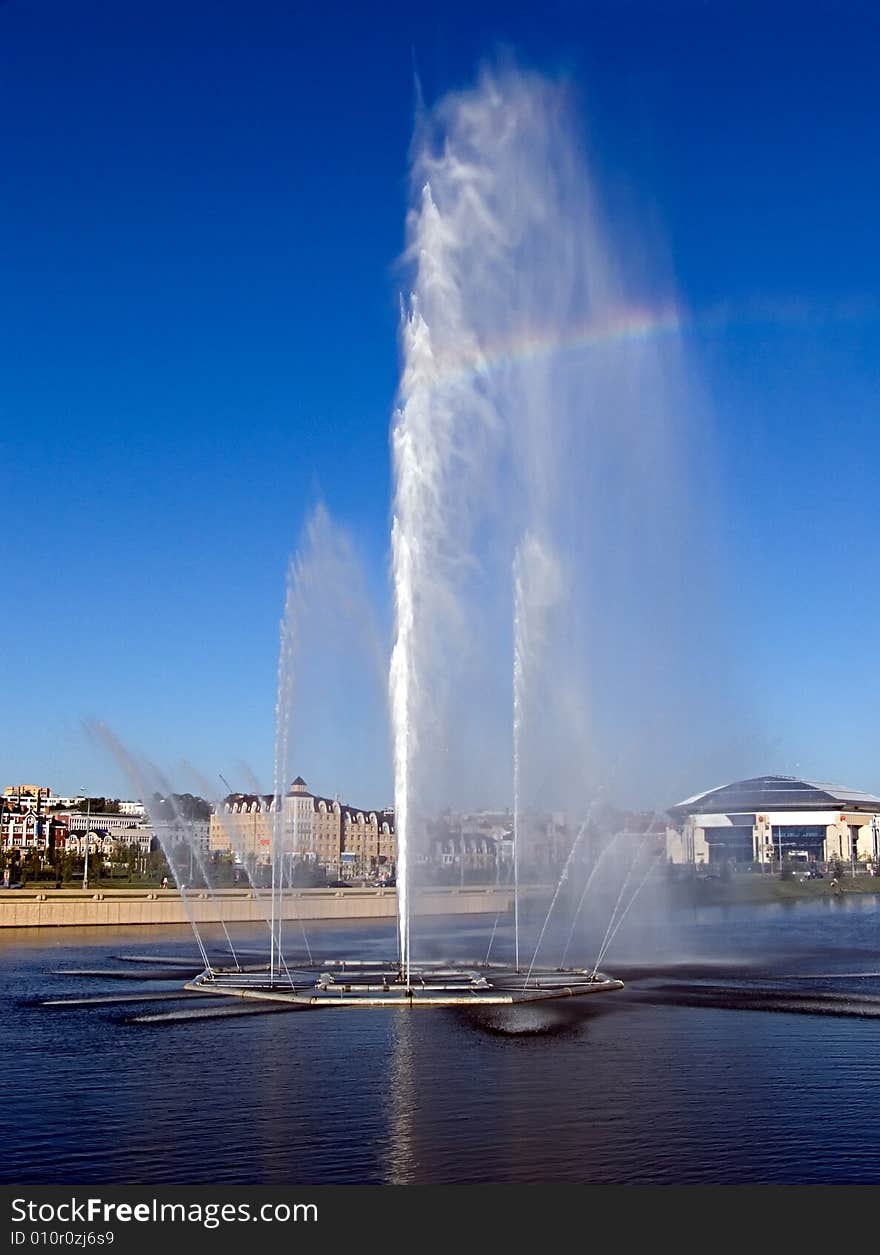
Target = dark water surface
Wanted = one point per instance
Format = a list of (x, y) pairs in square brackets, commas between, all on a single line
[(745, 1048)]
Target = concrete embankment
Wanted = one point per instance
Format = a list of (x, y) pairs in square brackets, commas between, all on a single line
[(44, 908)]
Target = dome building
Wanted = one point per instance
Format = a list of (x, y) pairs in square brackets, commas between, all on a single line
[(775, 818)]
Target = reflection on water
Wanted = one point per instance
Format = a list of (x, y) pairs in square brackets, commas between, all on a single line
[(545, 1019), (681, 1077), (402, 1102)]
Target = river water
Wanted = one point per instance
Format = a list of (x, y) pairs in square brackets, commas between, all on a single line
[(744, 1049)]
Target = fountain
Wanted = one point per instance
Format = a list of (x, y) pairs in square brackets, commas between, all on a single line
[(506, 252), (535, 453)]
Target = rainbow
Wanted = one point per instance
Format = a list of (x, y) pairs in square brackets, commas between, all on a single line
[(642, 325)]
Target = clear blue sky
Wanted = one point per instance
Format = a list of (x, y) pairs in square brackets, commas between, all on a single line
[(202, 211)]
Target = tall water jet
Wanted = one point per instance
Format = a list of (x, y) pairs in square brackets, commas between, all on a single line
[(441, 421), (537, 588), (328, 629), (288, 634), (518, 652), (231, 834), (591, 876), (144, 778), (400, 678), (544, 437)]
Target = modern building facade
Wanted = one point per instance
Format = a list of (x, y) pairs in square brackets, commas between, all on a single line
[(775, 820), (120, 827)]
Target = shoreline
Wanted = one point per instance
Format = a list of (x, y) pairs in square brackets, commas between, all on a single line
[(754, 889), (73, 908), (44, 907)]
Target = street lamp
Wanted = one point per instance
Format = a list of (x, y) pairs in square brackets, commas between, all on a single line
[(86, 862)]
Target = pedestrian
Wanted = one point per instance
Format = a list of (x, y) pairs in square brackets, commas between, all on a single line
[(164, 882)]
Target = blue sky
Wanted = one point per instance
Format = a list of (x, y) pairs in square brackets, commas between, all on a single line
[(202, 214)]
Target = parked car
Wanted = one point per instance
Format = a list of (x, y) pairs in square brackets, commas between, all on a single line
[(814, 874)]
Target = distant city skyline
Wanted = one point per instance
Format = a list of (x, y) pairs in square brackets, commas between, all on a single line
[(203, 230)]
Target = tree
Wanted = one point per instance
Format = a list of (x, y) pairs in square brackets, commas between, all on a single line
[(32, 866), (93, 805), (14, 866), (308, 875), (179, 806), (54, 861), (132, 860), (156, 865)]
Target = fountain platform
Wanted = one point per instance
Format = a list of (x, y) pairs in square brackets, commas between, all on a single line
[(374, 983)]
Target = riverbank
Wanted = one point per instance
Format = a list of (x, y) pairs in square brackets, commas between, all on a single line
[(756, 888), (37, 906), (40, 907)]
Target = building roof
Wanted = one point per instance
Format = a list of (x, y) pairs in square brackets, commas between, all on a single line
[(767, 793), (239, 803)]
